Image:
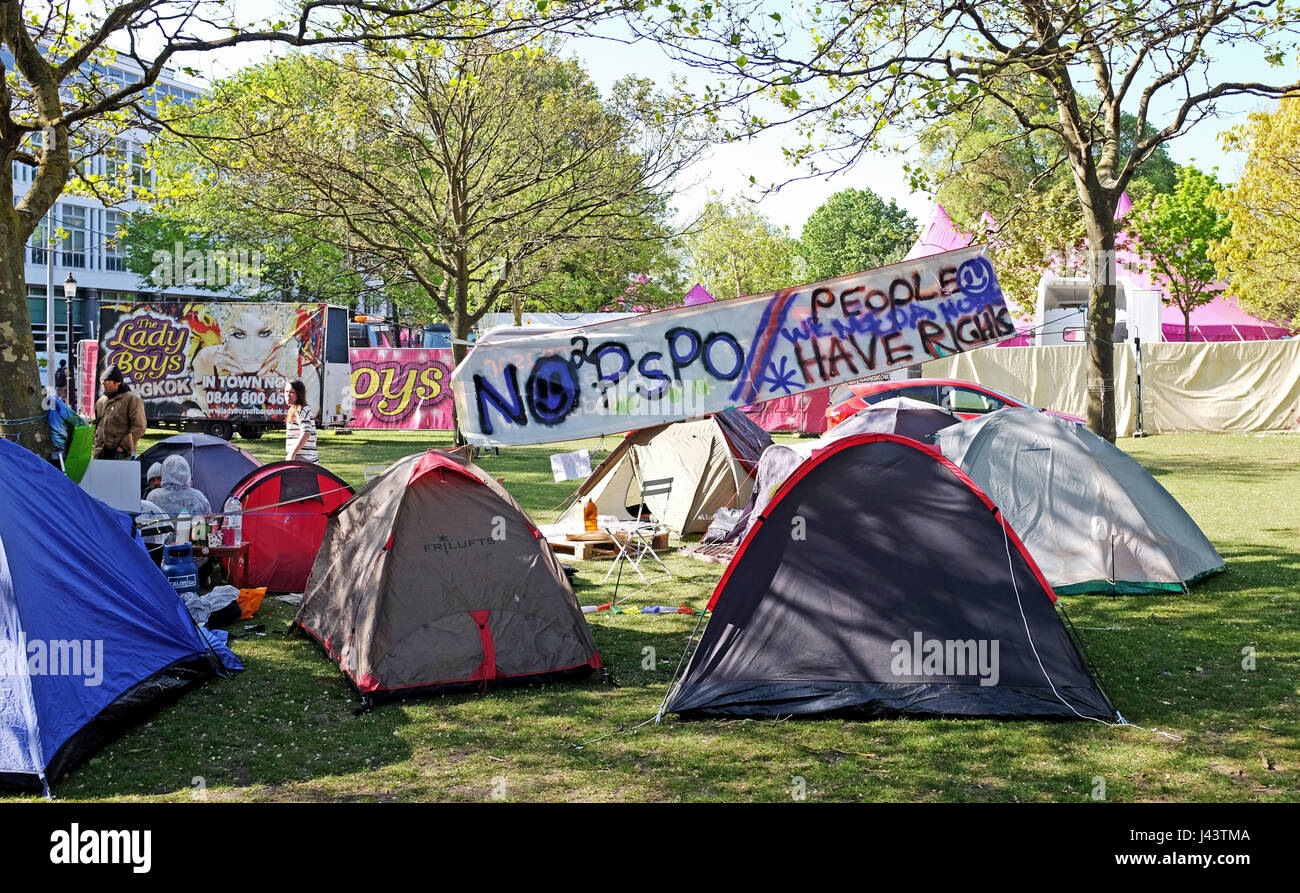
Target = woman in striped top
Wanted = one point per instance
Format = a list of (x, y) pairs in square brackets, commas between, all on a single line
[(299, 424)]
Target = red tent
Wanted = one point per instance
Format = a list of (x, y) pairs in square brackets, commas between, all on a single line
[(805, 413), (286, 505)]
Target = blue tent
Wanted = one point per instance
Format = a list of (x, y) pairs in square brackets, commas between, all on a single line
[(91, 634)]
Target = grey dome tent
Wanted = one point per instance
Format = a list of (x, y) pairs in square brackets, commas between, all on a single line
[(898, 415), (880, 581), (710, 461), (216, 465), (433, 579), (1092, 517)]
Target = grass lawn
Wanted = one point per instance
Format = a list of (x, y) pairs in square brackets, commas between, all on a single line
[(285, 729)]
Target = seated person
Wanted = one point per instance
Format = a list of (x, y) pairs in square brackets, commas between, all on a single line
[(176, 494), (156, 529), (153, 478)]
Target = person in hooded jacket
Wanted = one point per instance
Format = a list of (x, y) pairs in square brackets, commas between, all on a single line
[(176, 494)]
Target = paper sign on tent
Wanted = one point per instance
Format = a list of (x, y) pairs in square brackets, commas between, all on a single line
[(571, 466)]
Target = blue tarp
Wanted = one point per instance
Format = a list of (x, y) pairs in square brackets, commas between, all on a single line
[(85, 618), (219, 639), (62, 420)]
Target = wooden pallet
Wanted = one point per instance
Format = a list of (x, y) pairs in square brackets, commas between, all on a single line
[(582, 550)]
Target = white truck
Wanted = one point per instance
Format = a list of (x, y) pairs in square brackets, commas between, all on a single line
[(220, 366)]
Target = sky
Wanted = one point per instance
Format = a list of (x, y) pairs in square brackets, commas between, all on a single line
[(728, 168)]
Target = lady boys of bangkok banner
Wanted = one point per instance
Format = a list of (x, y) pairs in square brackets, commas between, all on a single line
[(404, 388), (214, 359)]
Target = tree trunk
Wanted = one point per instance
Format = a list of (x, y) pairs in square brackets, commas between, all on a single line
[(460, 326), (1187, 324), (22, 399), (1101, 322)]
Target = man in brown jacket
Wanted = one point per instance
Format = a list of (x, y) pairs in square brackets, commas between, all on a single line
[(119, 418)]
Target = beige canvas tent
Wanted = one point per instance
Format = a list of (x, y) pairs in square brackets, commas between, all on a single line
[(710, 461), (433, 578)]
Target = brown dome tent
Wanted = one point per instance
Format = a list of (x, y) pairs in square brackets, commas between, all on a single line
[(433, 579)]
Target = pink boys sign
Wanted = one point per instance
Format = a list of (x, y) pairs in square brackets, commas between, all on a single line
[(404, 388)]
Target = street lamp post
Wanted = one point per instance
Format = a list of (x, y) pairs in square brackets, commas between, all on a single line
[(49, 303), (69, 295)]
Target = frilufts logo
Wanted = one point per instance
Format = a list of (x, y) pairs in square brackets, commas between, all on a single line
[(53, 657), (949, 658), (89, 847)]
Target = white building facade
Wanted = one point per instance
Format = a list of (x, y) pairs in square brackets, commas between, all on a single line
[(86, 232)]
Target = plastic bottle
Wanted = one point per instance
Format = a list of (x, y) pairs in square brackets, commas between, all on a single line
[(199, 530), (589, 516), (234, 524), (183, 528)]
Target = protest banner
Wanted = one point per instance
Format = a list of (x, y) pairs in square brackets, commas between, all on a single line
[(691, 361)]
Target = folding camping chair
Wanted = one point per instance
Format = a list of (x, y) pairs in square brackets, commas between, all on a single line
[(635, 539)]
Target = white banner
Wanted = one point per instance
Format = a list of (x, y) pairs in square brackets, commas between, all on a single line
[(678, 364)]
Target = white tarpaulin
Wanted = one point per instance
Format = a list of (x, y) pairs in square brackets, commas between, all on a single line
[(678, 364), (1206, 386)]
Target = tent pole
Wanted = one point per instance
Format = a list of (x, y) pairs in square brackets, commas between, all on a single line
[(1137, 346)]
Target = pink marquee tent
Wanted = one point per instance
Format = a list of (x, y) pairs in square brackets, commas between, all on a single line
[(804, 412), (941, 235), (1219, 320), (697, 295)]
